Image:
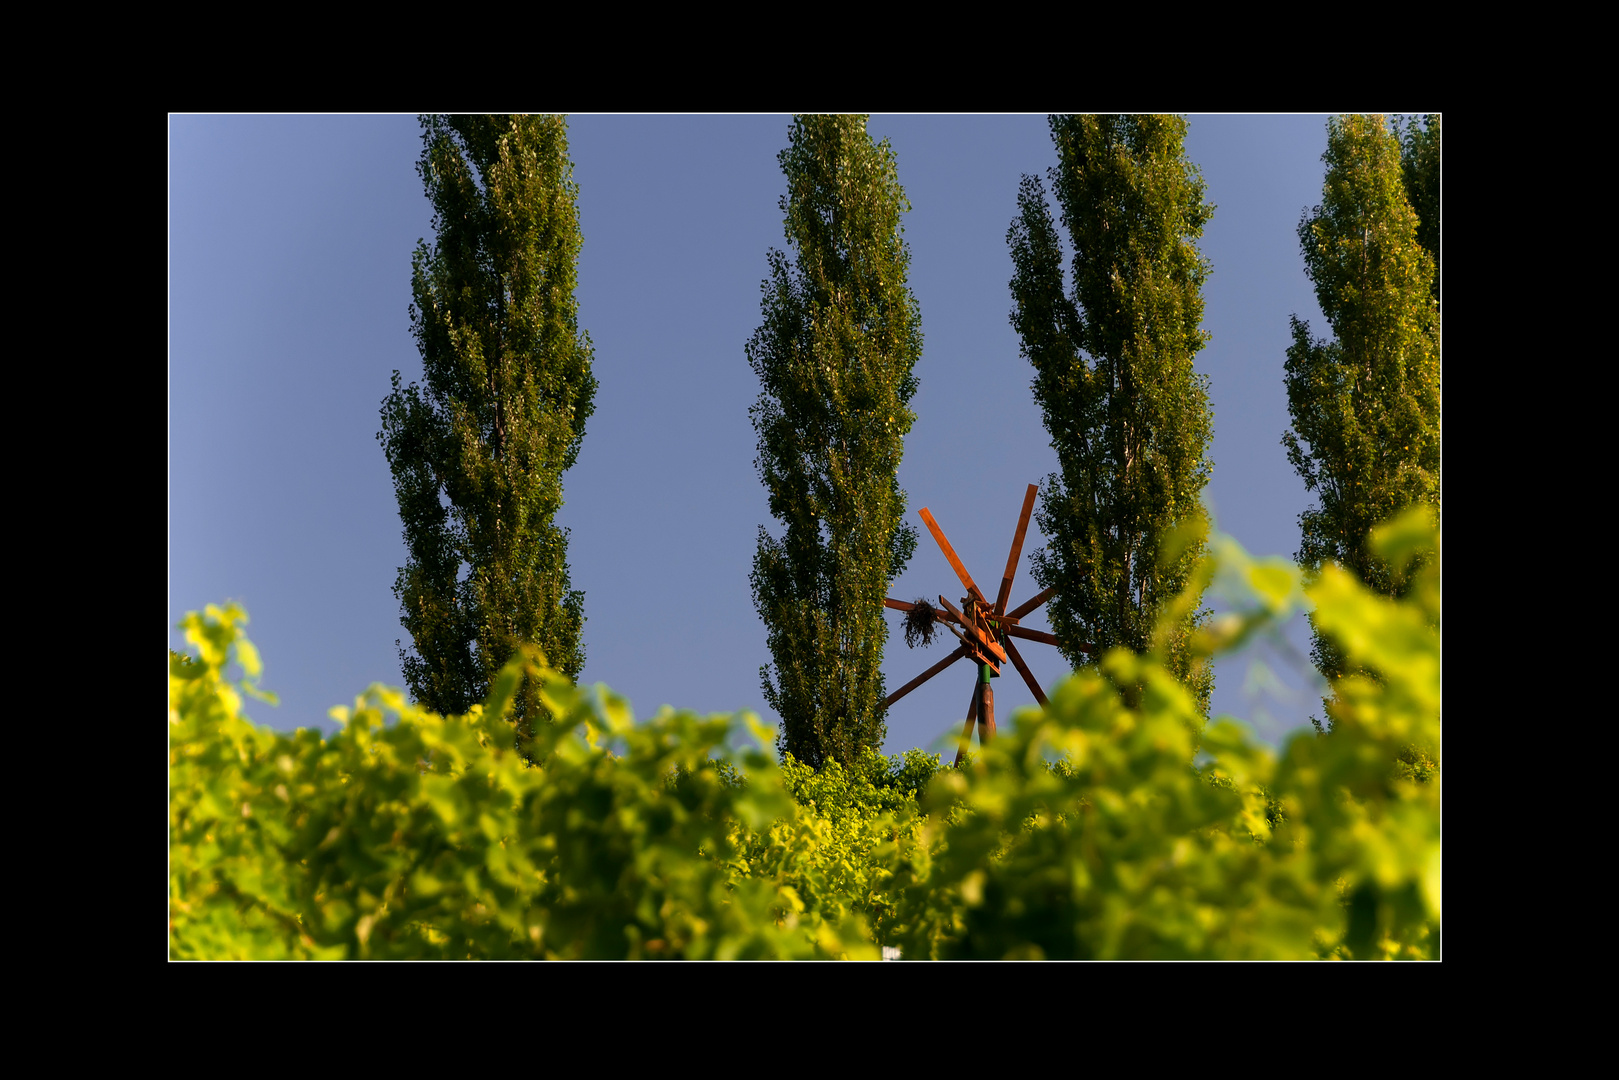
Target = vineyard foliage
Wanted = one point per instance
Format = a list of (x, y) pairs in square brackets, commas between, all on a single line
[(1091, 829)]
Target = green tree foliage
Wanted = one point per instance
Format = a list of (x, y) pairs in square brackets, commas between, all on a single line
[(1128, 415), (835, 852), (1419, 164), (430, 837), (834, 355), (1365, 404), (478, 450)]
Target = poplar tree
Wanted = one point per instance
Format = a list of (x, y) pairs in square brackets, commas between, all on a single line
[(1128, 415), (1365, 402), (834, 354), (479, 447)]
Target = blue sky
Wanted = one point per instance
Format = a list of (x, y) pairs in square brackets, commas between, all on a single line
[(289, 287)]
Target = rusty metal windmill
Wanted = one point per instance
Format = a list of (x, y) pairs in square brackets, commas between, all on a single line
[(987, 629)]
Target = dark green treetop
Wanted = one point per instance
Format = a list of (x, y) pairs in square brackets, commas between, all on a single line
[(1128, 415), (478, 449), (1419, 159), (1364, 404), (835, 354)]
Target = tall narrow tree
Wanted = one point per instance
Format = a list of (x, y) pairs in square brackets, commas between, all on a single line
[(1365, 403), (478, 450), (835, 355), (1127, 413)]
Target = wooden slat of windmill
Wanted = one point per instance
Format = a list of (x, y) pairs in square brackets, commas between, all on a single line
[(986, 630)]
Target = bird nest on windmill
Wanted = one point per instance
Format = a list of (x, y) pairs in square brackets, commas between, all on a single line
[(919, 623)]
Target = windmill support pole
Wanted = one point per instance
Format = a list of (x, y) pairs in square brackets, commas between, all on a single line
[(986, 705), (967, 731)]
